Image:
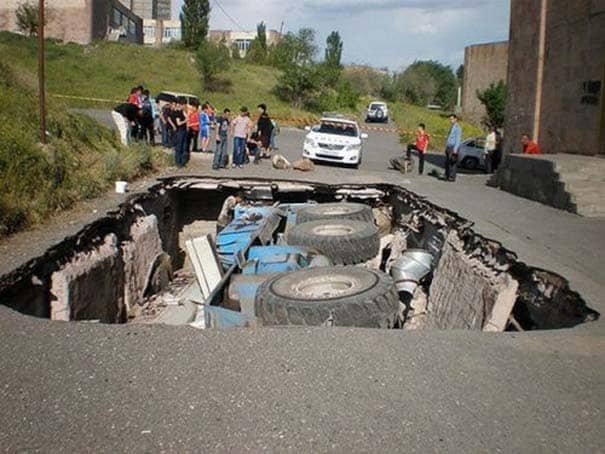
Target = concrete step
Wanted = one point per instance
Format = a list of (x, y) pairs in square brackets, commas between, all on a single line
[(585, 185), (584, 176), (590, 211), (569, 182), (585, 189)]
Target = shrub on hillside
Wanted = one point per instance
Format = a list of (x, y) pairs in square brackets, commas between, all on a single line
[(212, 58), (494, 100), (82, 159)]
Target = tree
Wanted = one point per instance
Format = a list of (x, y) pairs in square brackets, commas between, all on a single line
[(256, 54), (27, 18), (211, 58), (306, 47), (333, 50), (428, 82), (297, 85), (494, 100), (294, 49), (235, 52), (460, 74), (261, 35), (194, 22), (364, 79)]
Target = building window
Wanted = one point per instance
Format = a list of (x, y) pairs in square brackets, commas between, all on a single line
[(243, 45), (117, 17), (149, 31), (173, 33), (132, 27)]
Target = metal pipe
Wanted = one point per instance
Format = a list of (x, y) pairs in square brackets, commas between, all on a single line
[(540, 73), (41, 81)]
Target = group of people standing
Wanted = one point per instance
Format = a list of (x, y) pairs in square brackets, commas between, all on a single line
[(492, 149), (136, 118), (187, 127)]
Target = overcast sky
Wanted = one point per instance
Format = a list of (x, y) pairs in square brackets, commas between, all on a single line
[(381, 33)]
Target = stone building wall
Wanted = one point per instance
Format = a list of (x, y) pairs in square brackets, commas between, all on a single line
[(570, 114), (78, 21), (483, 64)]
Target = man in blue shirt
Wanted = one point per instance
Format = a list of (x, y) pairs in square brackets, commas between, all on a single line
[(452, 146)]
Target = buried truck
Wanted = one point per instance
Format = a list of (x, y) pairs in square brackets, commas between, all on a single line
[(373, 256)]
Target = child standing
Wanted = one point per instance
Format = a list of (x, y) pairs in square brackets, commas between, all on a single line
[(222, 137), (422, 146), (205, 127)]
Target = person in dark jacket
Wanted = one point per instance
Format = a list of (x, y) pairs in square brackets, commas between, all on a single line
[(264, 127), (125, 117), (181, 152)]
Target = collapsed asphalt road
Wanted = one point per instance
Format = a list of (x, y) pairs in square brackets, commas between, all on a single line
[(100, 388), (88, 387)]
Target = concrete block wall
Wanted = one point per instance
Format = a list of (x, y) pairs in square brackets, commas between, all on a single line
[(90, 286), (466, 294), (483, 64), (533, 178), (139, 255)]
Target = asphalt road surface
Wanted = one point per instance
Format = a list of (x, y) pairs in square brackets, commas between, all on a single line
[(81, 387)]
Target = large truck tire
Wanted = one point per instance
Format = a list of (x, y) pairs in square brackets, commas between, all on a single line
[(345, 242), (330, 211), (331, 296)]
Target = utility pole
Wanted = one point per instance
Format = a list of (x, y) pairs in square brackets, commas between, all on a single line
[(41, 82)]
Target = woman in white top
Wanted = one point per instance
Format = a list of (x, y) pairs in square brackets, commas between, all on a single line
[(490, 149)]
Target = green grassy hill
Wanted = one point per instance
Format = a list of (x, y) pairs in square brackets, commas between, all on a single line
[(407, 117), (81, 160), (109, 70)]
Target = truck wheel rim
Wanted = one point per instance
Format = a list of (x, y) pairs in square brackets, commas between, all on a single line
[(326, 287), (335, 211), (333, 230)]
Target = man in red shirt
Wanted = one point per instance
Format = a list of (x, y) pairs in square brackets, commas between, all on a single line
[(529, 146), (193, 126), (422, 146)]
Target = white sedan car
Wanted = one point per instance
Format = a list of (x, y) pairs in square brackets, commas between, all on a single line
[(336, 139)]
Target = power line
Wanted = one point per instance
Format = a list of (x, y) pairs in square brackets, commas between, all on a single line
[(236, 23)]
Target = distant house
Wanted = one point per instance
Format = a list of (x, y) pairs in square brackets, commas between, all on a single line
[(81, 21), (156, 31), (150, 9), (241, 40)]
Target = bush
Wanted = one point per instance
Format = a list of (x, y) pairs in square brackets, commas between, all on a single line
[(494, 100), (307, 87), (81, 160), (425, 82), (298, 86), (348, 97), (27, 18), (212, 58)]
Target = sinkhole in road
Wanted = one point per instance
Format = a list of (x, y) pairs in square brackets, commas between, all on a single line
[(126, 265)]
